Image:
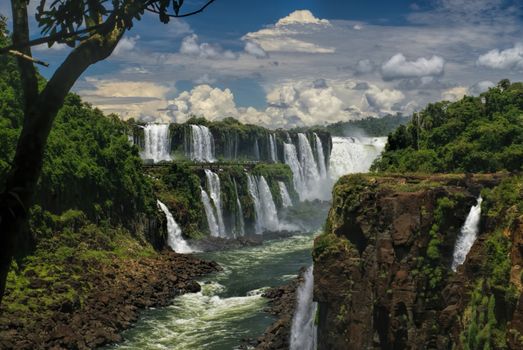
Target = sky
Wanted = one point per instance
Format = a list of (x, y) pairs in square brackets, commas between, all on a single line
[(292, 63)]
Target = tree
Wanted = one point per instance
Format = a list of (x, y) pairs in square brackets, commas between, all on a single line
[(93, 28)]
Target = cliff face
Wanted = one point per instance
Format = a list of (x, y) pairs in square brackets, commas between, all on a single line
[(382, 268)]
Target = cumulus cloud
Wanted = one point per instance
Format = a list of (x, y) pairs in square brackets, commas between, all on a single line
[(125, 45), (503, 59), (301, 17), (129, 99), (255, 50), (364, 66), (382, 100), (191, 47), (455, 93), (481, 87), (398, 67)]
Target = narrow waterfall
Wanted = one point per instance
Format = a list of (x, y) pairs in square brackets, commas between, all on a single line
[(311, 174), (209, 213), (256, 150), (272, 145), (303, 329), (354, 155), (285, 197), (321, 157), (468, 235), (174, 232), (157, 142), (214, 188), (202, 144), (240, 223), (265, 209), (291, 159)]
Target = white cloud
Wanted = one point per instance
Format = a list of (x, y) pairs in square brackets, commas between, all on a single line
[(481, 87), (301, 17), (503, 59), (255, 50), (455, 93), (130, 99), (383, 100), (357, 27), (191, 47), (125, 45), (397, 67), (364, 66)]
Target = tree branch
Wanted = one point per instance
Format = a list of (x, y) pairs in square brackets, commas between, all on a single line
[(185, 14), (29, 58)]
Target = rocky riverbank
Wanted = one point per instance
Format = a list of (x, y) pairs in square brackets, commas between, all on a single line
[(120, 289)]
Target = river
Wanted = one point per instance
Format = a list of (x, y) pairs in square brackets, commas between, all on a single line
[(230, 306)]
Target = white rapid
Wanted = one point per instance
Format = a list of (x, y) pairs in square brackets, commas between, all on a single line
[(468, 235), (303, 329), (265, 209), (321, 157), (214, 188), (214, 229), (272, 145), (202, 144), (285, 197), (174, 232), (354, 155), (157, 142), (240, 223)]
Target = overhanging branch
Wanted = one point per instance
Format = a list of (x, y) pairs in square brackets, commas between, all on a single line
[(200, 10), (28, 58)]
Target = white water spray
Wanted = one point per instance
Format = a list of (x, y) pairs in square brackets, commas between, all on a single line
[(285, 197), (157, 142), (214, 188), (303, 329), (321, 157), (202, 145), (265, 209), (174, 232), (468, 235), (209, 213)]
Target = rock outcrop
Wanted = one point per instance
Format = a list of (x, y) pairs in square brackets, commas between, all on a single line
[(382, 268)]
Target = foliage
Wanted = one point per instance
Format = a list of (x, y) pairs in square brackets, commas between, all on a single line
[(475, 134), (370, 126)]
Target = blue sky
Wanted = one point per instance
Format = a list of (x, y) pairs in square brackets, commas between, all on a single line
[(285, 63)]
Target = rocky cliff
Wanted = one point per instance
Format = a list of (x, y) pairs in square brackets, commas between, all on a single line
[(383, 275)]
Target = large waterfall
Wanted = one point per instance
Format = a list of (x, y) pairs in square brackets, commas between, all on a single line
[(214, 229), (174, 232), (285, 197), (291, 159), (157, 142), (354, 155), (202, 144), (240, 224), (214, 188), (272, 146), (303, 329), (265, 209), (468, 235)]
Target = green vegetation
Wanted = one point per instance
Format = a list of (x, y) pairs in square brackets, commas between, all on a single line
[(369, 126), (475, 134)]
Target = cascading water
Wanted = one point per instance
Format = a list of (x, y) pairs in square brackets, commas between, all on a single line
[(202, 145), (209, 213), (256, 150), (303, 329), (174, 232), (468, 235), (157, 142), (272, 145), (265, 209), (321, 157), (214, 188), (240, 224), (311, 174), (354, 155), (285, 197), (291, 159)]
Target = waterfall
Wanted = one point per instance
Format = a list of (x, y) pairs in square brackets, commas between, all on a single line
[(174, 232), (272, 144), (240, 224), (311, 174), (354, 155), (214, 188), (209, 213), (202, 145), (256, 150), (321, 157), (468, 235), (303, 329), (285, 198), (291, 159), (264, 207), (157, 142)]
